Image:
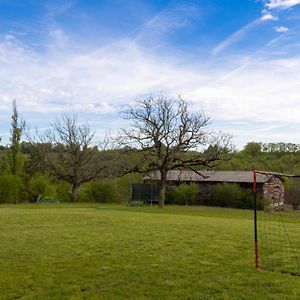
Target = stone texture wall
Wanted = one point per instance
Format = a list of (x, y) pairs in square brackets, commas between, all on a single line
[(273, 190)]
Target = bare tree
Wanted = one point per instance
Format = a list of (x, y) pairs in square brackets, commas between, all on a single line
[(169, 136), (73, 157)]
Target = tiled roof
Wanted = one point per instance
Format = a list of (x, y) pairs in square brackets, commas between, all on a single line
[(211, 176)]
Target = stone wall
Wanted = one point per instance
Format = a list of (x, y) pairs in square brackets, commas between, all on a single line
[(273, 190)]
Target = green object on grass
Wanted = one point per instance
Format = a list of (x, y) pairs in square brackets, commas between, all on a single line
[(48, 199)]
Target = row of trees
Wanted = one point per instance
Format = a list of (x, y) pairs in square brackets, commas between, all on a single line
[(163, 135), (254, 148), (252, 157)]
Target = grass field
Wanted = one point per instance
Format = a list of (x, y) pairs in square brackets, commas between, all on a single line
[(115, 252)]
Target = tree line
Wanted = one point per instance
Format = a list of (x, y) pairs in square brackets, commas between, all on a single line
[(278, 157), (67, 162)]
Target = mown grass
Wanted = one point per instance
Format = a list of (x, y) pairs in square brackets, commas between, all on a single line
[(113, 252)]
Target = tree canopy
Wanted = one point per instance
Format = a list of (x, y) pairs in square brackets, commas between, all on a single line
[(164, 135), (164, 131)]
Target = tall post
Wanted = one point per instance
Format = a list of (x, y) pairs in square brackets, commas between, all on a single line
[(255, 219)]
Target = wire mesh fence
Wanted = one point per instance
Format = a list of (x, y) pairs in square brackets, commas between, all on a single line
[(278, 228)]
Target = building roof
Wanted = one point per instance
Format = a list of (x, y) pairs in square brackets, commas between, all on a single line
[(211, 176)]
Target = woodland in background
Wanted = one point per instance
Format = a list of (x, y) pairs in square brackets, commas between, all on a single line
[(34, 179), (276, 157), (31, 170)]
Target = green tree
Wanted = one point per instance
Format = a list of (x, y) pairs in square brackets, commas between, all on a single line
[(185, 194), (252, 148), (231, 195), (11, 189), (16, 161)]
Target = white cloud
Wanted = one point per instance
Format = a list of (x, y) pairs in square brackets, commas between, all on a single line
[(241, 33), (268, 17), (263, 90), (79, 82), (174, 17), (58, 37), (281, 4), (170, 19), (236, 36), (281, 29)]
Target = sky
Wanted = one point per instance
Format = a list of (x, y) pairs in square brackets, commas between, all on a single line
[(238, 61)]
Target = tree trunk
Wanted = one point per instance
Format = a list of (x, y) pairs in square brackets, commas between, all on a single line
[(162, 189), (73, 192)]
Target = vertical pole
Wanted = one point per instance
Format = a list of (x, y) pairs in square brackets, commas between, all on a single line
[(115, 186), (130, 193), (151, 194), (255, 219)]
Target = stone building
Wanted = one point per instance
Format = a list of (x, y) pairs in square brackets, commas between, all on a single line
[(268, 186)]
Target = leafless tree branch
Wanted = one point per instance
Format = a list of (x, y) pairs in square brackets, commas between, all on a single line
[(164, 131)]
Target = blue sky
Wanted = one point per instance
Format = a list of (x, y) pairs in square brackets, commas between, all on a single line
[(236, 60)]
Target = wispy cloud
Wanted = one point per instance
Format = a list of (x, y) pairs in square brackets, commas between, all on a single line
[(58, 38), (100, 82), (171, 18), (242, 32), (262, 90), (281, 4), (55, 10), (258, 92), (281, 29), (268, 17), (95, 81), (238, 35)]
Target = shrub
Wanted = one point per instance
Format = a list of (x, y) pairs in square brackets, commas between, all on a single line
[(123, 186), (108, 190), (231, 195), (183, 194), (11, 188), (98, 191), (63, 191), (41, 186), (292, 192)]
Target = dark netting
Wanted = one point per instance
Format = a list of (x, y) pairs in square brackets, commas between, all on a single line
[(278, 224), (144, 193)]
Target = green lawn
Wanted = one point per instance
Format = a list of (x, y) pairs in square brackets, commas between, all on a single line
[(84, 251)]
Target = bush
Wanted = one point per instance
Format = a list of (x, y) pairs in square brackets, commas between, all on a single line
[(183, 194), (99, 191), (63, 191), (108, 190), (11, 189), (41, 186), (231, 195), (123, 186)]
